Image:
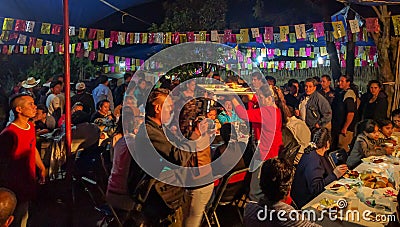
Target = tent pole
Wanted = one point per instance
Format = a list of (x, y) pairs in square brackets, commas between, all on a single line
[(67, 78)]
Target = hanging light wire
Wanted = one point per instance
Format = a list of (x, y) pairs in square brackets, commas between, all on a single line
[(124, 13)]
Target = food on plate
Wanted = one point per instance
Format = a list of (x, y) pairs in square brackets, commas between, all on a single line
[(352, 174), (327, 202), (374, 181), (377, 160)]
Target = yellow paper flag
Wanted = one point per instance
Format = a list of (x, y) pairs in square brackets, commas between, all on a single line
[(354, 26), (82, 33), (283, 32), (396, 24), (107, 43), (300, 31), (100, 57), (338, 29), (291, 52), (39, 43), (73, 48), (168, 37), (100, 34), (45, 29), (8, 24), (203, 35), (323, 51), (245, 35), (144, 38)]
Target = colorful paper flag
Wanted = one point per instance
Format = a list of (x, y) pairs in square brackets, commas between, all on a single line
[(21, 39), (396, 24), (292, 37), (121, 38), (244, 33), (20, 25), (82, 33), (92, 33), (190, 36), (30, 25), (100, 35), (8, 24), (372, 25), (255, 32), (159, 37), (354, 28), (338, 29), (45, 29), (144, 37), (72, 31), (283, 33), (300, 31), (319, 30), (56, 29), (227, 36)]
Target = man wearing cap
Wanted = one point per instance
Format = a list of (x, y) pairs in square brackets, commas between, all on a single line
[(85, 98), (102, 91)]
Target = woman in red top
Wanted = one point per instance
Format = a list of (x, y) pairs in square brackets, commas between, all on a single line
[(269, 116)]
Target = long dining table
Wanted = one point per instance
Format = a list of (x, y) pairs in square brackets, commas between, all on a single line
[(356, 195)]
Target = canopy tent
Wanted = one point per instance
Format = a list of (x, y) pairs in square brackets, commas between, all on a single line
[(82, 13), (371, 2)]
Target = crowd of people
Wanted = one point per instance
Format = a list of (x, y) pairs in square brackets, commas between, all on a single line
[(292, 129)]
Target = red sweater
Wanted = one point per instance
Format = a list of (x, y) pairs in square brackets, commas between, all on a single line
[(17, 161), (253, 104), (271, 134)]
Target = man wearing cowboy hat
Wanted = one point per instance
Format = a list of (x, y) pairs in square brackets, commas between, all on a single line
[(29, 84)]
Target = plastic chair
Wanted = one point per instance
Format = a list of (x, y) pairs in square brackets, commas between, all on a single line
[(338, 157), (228, 191)]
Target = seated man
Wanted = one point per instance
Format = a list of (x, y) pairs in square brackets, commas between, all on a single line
[(8, 202), (275, 182), (85, 135), (43, 123)]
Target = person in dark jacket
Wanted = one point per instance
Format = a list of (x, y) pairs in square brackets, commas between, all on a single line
[(85, 98), (119, 91), (314, 108), (326, 90), (314, 171), (374, 103)]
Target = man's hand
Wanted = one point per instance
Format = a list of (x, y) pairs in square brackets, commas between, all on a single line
[(317, 125), (344, 131)]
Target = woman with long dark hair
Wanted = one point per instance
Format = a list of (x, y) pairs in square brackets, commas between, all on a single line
[(314, 172), (374, 103)]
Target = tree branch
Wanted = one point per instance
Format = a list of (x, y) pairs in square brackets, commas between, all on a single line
[(377, 13)]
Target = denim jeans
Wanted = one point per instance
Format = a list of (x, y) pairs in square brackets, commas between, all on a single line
[(195, 203)]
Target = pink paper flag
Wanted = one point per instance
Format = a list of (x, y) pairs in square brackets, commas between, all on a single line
[(228, 36), (92, 55), (309, 63), (270, 52), (319, 30), (268, 34), (308, 51), (114, 36), (111, 59), (190, 36), (96, 44), (259, 39)]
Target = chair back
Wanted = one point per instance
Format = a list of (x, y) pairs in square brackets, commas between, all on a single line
[(231, 187)]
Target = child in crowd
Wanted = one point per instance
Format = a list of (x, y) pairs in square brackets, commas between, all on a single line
[(367, 144)]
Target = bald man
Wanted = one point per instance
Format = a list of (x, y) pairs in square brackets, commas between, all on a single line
[(8, 202)]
